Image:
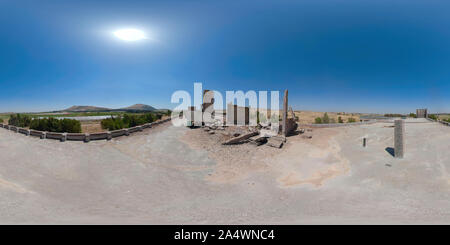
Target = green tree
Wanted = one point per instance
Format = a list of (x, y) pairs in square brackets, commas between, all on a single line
[(326, 119), (351, 120), (19, 120), (56, 125), (340, 120), (318, 120)]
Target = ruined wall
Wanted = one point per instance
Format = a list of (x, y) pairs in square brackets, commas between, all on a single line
[(422, 113), (81, 136), (232, 115)]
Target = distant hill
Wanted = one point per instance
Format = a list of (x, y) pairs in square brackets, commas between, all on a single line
[(86, 108), (139, 107)]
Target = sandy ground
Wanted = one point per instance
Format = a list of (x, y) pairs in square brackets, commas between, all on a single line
[(173, 175)]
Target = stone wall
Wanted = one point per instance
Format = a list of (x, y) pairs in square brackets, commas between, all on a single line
[(80, 136), (422, 113)]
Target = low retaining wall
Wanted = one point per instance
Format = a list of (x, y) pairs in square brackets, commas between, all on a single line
[(24, 131), (120, 132), (37, 134), (76, 136), (100, 136), (439, 121), (134, 129), (55, 136), (80, 136)]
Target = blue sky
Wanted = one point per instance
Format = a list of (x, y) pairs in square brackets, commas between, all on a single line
[(359, 56)]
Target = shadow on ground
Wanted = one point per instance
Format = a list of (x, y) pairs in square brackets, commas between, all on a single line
[(390, 150)]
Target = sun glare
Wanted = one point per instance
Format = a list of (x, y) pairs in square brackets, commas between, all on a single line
[(130, 34)]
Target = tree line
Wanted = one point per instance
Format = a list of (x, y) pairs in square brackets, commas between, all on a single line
[(129, 120), (326, 119), (45, 124)]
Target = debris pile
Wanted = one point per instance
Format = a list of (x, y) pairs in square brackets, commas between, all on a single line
[(239, 117), (256, 135)]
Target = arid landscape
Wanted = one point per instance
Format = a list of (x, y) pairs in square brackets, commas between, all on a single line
[(177, 175)]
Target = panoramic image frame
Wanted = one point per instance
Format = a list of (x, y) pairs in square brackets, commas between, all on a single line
[(224, 120)]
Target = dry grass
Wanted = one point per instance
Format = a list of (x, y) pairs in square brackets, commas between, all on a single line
[(91, 127), (443, 117), (306, 117)]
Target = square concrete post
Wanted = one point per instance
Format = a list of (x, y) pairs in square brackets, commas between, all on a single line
[(87, 138), (64, 137), (399, 143), (285, 113)]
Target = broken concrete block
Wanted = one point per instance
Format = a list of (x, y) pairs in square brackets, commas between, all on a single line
[(258, 140), (239, 139), (275, 141), (224, 133), (267, 133)]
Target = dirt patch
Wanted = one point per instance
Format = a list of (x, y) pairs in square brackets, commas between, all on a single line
[(91, 127), (234, 162), (12, 186), (310, 161), (300, 161)]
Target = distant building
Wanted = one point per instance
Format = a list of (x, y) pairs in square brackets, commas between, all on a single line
[(421, 113)]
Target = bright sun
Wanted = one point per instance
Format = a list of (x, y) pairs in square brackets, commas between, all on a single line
[(130, 34)]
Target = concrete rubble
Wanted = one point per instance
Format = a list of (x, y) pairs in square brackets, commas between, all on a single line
[(240, 131), (276, 141), (240, 138)]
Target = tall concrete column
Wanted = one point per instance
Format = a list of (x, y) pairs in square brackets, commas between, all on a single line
[(399, 143), (285, 112)]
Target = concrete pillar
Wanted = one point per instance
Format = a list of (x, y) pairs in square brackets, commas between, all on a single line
[(399, 143), (109, 137), (126, 132), (43, 135), (285, 113), (364, 142), (64, 137), (87, 138), (27, 133)]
